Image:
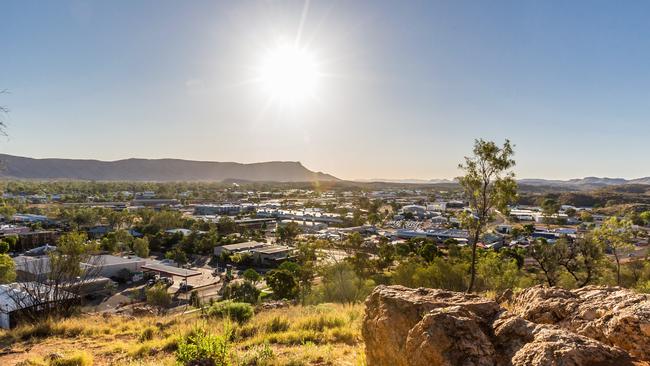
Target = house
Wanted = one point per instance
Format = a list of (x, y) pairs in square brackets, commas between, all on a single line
[(16, 298), (38, 268), (238, 248), (111, 265), (33, 239), (305, 226), (271, 254)]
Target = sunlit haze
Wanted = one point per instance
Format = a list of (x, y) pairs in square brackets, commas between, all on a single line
[(359, 90)]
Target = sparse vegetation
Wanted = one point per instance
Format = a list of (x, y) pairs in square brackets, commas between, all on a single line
[(323, 334)]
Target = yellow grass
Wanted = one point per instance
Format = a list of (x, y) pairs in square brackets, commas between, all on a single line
[(326, 334)]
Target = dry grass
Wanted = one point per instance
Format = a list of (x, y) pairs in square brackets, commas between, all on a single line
[(325, 334)]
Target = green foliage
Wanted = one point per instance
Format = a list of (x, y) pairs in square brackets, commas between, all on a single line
[(242, 291), (158, 296), (287, 233), (283, 283), (202, 348), (141, 247), (7, 269), (251, 275), (177, 255), (195, 299), (77, 359), (615, 235), (428, 251), (4, 247), (240, 312), (488, 184), (498, 273), (440, 273), (340, 283)]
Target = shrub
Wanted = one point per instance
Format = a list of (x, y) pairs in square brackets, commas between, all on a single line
[(147, 334), (240, 312), (277, 324), (77, 359), (242, 292), (195, 299), (322, 322), (158, 296), (201, 348)]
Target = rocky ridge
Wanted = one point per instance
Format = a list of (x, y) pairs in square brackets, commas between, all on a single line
[(538, 326)]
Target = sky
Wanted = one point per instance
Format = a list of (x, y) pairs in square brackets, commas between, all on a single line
[(402, 88)]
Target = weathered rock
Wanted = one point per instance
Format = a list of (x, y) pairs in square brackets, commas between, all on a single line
[(519, 342), (422, 327), (612, 315), (392, 311), (449, 337)]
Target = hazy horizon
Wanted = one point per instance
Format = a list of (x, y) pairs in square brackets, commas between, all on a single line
[(380, 90)]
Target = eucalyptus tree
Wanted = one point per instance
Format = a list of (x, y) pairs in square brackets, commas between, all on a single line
[(488, 184), (616, 236)]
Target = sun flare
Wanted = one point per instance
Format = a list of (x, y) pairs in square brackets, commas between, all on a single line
[(289, 74)]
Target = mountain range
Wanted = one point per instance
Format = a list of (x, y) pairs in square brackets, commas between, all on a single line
[(584, 182), (158, 170)]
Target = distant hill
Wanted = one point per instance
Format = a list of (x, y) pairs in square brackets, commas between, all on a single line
[(405, 181), (159, 170), (584, 183)]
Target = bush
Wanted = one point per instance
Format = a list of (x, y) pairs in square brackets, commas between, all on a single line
[(240, 312), (77, 359), (201, 348), (147, 334), (195, 299), (242, 292), (158, 296), (277, 324), (322, 322)]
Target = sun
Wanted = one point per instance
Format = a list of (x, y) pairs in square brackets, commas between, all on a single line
[(289, 74)]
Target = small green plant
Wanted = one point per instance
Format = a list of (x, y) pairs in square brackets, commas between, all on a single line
[(237, 311), (202, 348)]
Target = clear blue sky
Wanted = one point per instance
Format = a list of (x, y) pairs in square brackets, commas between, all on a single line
[(409, 85)]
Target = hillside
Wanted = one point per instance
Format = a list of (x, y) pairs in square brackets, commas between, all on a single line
[(325, 334), (159, 170)]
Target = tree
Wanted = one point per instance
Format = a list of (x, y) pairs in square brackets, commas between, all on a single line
[(252, 276), (488, 184), (615, 235), (287, 233), (7, 269), (177, 255), (242, 291), (428, 251), (141, 247), (283, 283), (158, 297), (548, 258), (195, 299), (341, 284), (581, 258), (586, 216), (58, 279), (570, 212), (550, 207)]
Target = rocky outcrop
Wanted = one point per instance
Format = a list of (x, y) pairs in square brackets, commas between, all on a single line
[(612, 315), (418, 327)]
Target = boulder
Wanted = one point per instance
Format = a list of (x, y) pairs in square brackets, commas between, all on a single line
[(422, 327), (612, 315), (392, 311)]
